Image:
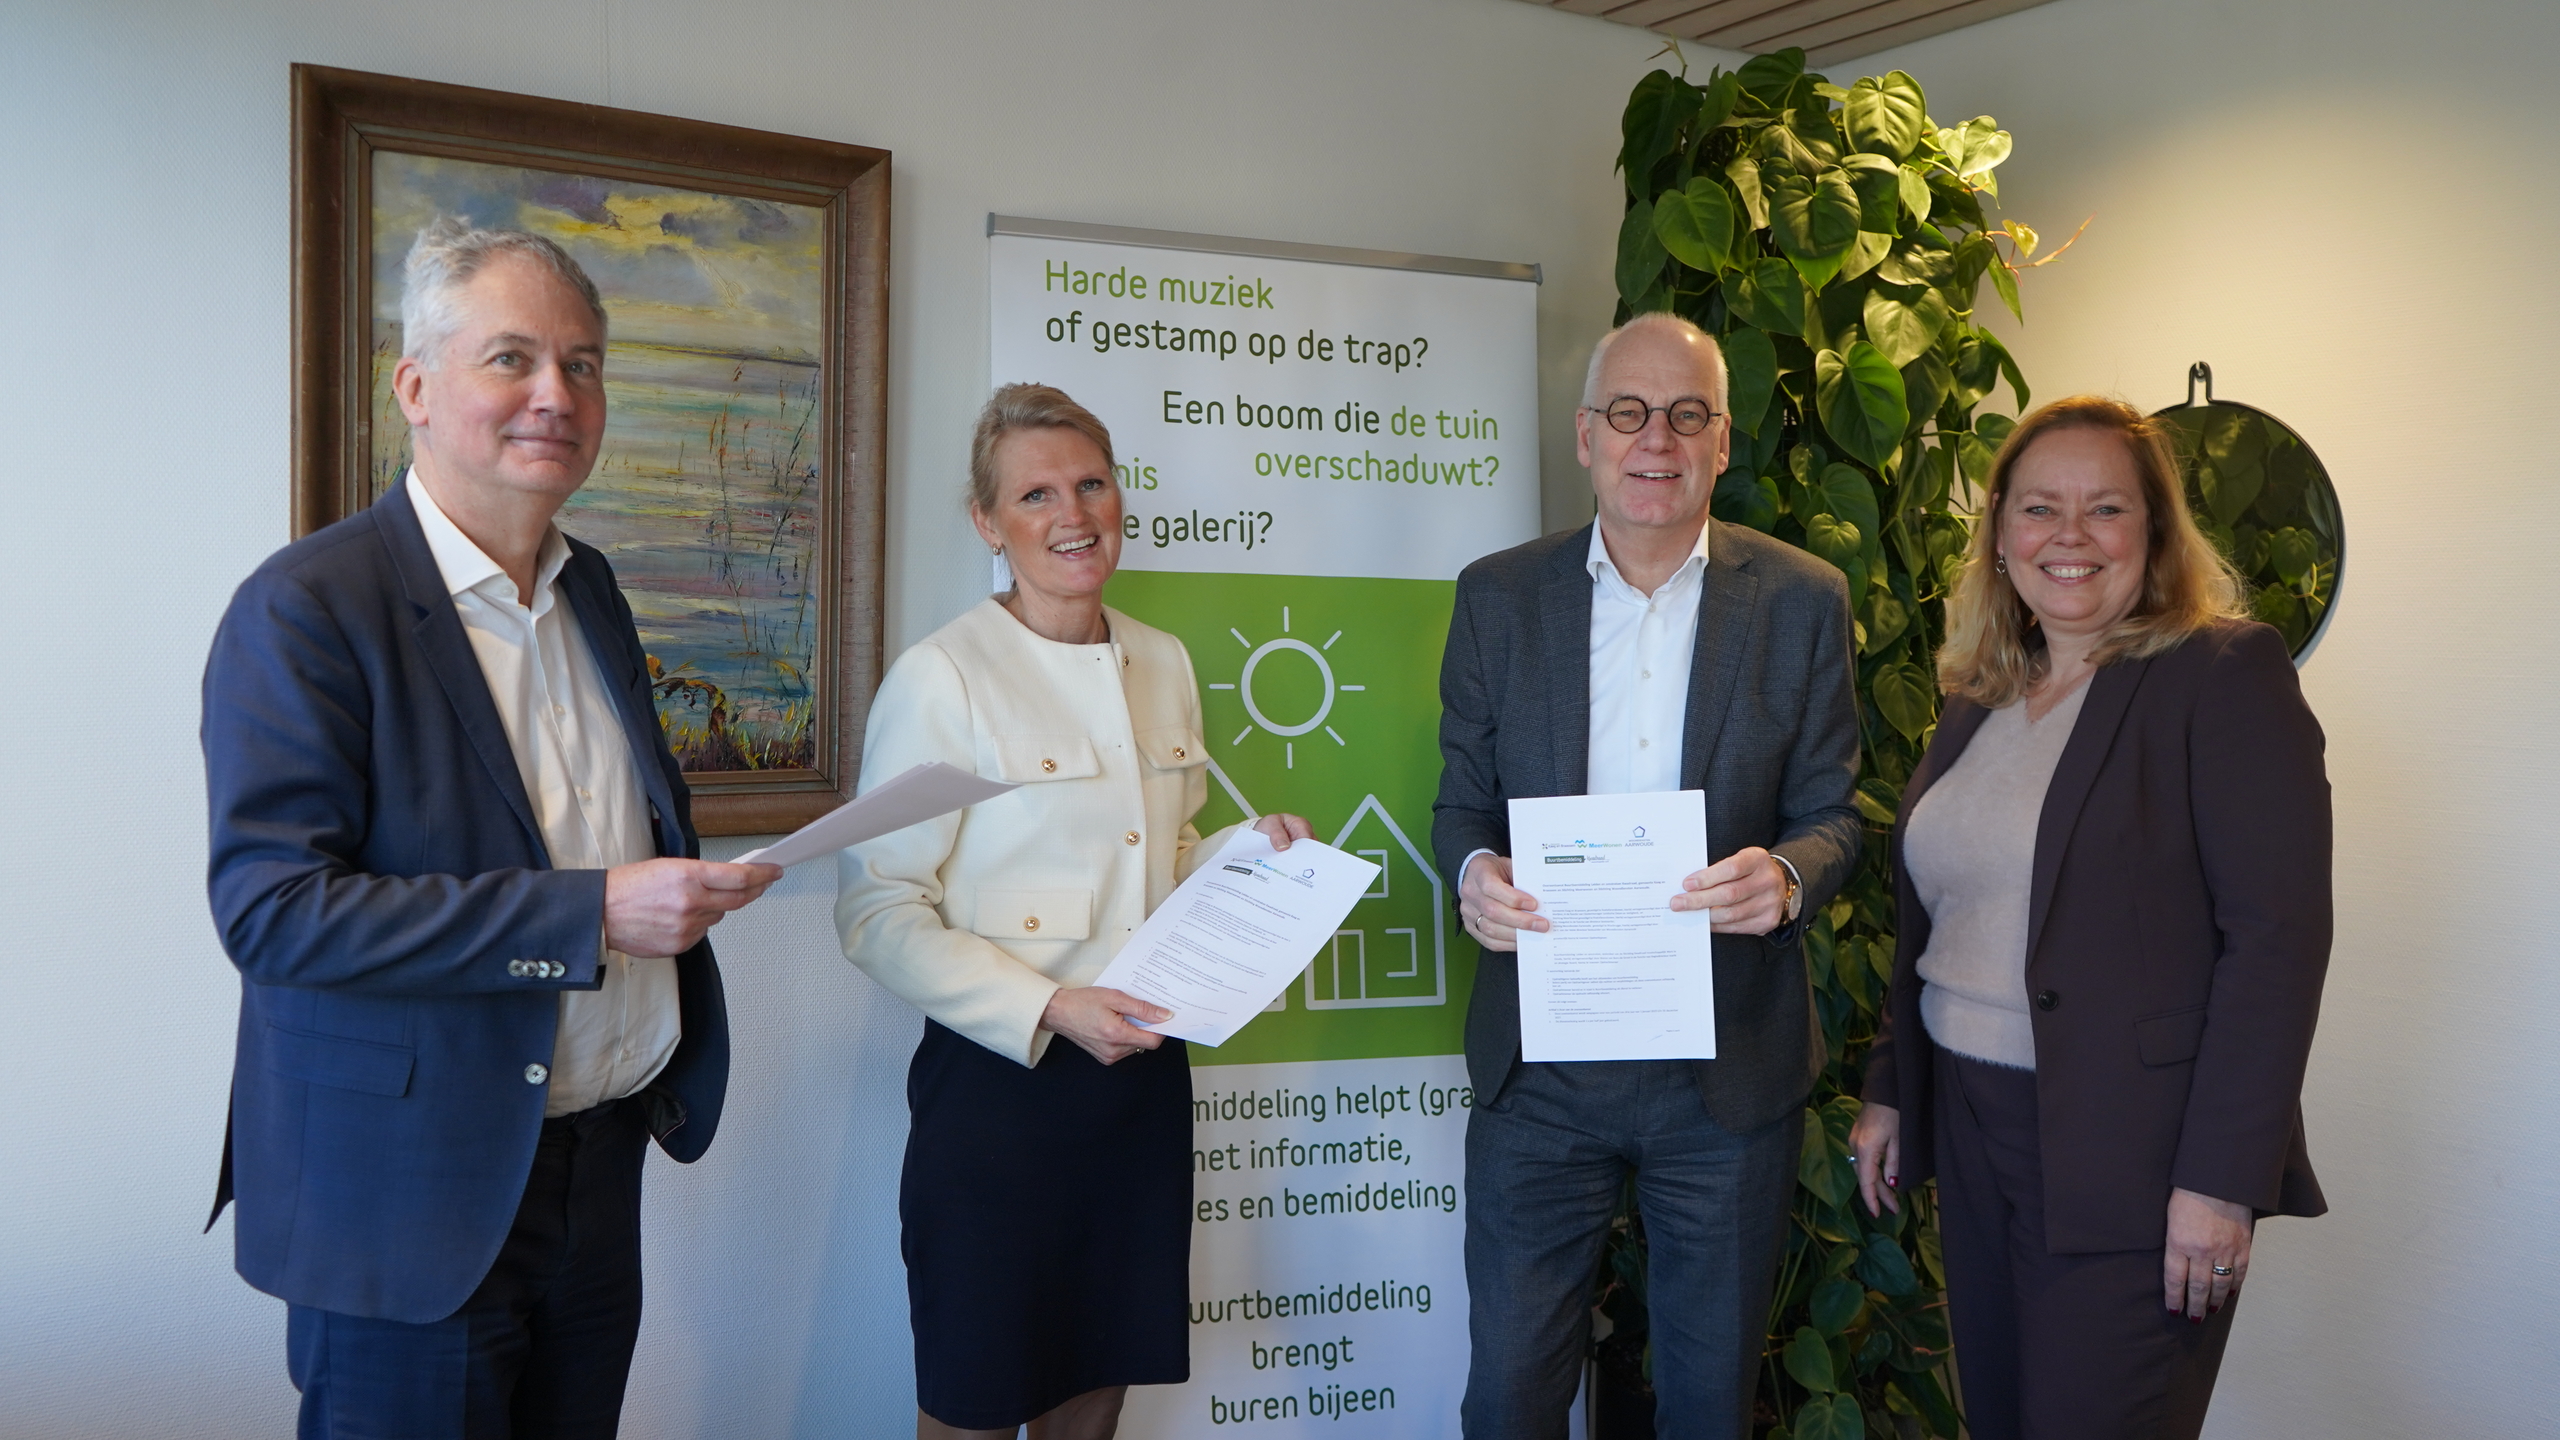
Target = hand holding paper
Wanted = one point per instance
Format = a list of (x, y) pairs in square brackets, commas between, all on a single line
[(1236, 933), (1620, 975)]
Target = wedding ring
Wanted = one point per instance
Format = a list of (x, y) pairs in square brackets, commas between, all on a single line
[(2221, 1269)]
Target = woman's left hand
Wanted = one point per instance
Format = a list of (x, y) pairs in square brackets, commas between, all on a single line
[(1284, 828), (2204, 1233)]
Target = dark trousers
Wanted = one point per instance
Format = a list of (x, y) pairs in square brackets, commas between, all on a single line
[(2051, 1347), (541, 1349), (1545, 1160)]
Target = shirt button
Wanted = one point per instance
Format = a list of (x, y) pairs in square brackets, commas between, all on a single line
[(1180, 754), (1644, 674), (2047, 1000), (585, 794), (516, 968), (1048, 766), (1030, 922), (536, 1074), (1644, 744), (1129, 839)]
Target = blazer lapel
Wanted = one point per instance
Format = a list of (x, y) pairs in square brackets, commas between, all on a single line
[(613, 656), (440, 637), (1728, 617), (1565, 608), (2111, 693)]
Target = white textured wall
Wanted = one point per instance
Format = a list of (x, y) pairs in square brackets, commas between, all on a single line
[(144, 400), (2346, 207)]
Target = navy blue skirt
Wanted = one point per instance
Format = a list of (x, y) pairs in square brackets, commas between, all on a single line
[(1045, 1217)]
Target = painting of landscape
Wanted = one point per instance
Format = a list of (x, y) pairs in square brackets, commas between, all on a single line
[(706, 495)]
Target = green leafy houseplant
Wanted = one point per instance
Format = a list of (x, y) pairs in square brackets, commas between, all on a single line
[(1834, 241)]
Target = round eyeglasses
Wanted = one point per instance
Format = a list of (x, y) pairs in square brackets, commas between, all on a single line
[(1627, 415)]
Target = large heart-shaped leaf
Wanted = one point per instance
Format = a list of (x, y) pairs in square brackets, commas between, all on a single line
[(1864, 254), (1887, 618), (1860, 399), (1984, 146), (2005, 281), (1695, 224), (1768, 77), (1915, 194), (1904, 322), (2293, 552), (1915, 263), (1886, 114), (1640, 253), (1750, 372), (1835, 1417), (1808, 1358), (1834, 539), (1878, 182), (1744, 172), (1926, 383), (1814, 1168), (1655, 111), (1903, 697), (1846, 493), (1746, 499), (1837, 1303), (1882, 1264), (1813, 219), (1769, 296)]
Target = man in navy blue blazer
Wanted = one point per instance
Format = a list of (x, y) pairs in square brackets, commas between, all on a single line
[(455, 865)]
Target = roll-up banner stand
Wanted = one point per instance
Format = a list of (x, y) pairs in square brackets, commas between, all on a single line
[(1312, 442)]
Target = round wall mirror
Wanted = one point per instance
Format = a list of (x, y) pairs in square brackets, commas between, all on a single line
[(2265, 498)]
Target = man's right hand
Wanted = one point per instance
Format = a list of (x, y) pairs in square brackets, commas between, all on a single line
[(664, 907), (1493, 911)]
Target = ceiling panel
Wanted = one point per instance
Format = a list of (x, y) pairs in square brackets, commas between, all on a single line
[(1829, 31)]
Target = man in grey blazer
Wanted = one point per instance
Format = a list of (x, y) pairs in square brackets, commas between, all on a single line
[(1656, 649)]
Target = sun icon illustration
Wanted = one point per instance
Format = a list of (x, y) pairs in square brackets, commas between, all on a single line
[(1287, 730)]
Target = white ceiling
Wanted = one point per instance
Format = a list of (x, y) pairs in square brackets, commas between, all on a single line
[(1828, 30)]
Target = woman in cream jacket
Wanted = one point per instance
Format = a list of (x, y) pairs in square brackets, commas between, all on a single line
[(1045, 1205)]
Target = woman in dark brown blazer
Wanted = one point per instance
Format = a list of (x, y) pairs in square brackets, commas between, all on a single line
[(2113, 876)]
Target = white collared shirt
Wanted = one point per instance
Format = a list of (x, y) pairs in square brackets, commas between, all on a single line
[(1641, 646), (579, 773)]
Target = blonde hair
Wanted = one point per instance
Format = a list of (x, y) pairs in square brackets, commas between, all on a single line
[(1991, 656), (1025, 407)]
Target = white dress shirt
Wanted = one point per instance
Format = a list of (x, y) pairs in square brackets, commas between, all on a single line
[(1641, 646), (1640, 650), (578, 771)]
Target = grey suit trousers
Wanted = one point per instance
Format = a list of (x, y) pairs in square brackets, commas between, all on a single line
[(1545, 1160)]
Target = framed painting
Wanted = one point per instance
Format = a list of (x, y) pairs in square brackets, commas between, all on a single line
[(740, 490)]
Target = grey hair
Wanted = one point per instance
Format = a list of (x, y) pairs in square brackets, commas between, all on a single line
[(1648, 322), (1025, 407), (444, 257)]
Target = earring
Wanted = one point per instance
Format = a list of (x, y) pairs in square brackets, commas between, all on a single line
[(2000, 565), (1001, 580)]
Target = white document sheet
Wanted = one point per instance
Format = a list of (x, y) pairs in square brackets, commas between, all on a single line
[(1622, 976), (1232, 937), (903, 800)]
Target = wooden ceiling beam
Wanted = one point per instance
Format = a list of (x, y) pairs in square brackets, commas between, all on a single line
[(1830, 31)]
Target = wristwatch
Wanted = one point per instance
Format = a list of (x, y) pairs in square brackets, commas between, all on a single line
[(1793, 904)]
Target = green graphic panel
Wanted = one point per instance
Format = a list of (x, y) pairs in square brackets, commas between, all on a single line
[(1322, 698)]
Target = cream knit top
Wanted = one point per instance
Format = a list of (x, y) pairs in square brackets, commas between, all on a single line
[(1971, 850)]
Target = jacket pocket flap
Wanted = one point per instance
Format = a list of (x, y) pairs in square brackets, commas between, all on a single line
[(338, 1062), (2168, 1039), (1172, 747), (1024, 759), (1035, 914)]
